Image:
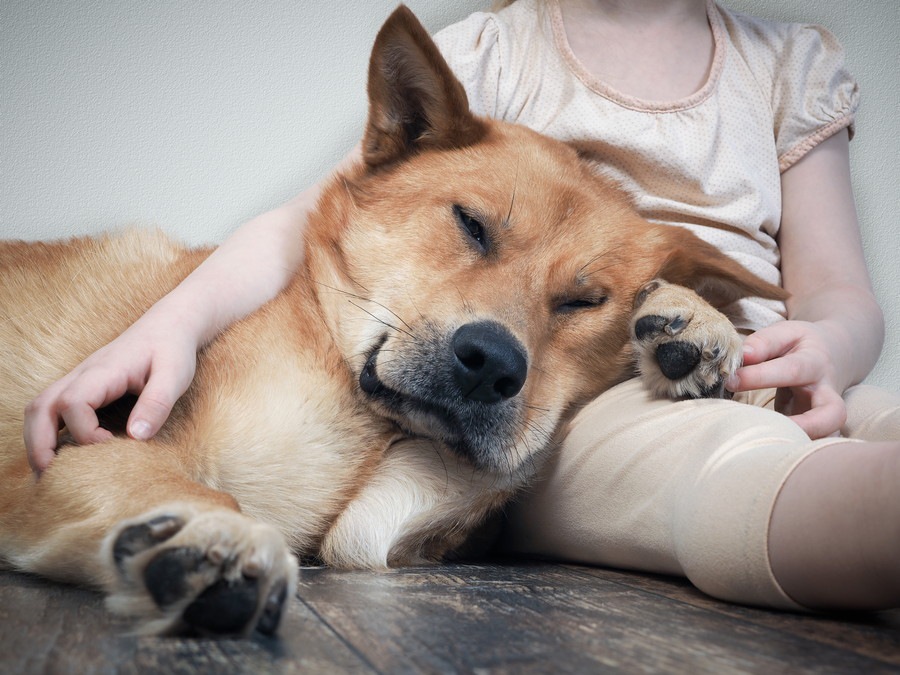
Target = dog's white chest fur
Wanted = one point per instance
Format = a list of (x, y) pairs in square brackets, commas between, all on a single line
[(295, 445)]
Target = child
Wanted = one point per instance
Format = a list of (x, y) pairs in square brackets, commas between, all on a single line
[(735, 128)]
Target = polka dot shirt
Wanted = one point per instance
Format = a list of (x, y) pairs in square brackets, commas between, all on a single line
[(710, 162)]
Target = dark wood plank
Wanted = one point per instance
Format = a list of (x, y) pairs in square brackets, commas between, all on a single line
[(51, 628), (547, 618), (499, 618), (872, 634)]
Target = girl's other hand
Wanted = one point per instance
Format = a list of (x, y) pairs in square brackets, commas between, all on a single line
[(795, 358)]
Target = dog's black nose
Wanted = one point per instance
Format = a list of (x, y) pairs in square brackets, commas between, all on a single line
[(490, 363)]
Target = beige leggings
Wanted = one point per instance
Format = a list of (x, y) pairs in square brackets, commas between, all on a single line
[(682, 488)]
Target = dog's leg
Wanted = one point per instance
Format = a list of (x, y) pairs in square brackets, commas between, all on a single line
[(685, 348), (170, 552), (421, 504)]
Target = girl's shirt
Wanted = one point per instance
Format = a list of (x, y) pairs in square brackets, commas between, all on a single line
[(710, 162)]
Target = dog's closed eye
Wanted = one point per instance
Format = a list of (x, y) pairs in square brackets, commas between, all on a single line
[(573, 305), (473, 227)]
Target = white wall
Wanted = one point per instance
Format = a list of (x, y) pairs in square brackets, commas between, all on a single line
[(198, 115)]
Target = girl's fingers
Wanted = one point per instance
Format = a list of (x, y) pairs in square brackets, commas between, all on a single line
[(70, 402), (40, 431), (82, 423), (771, 342), (168, 381), (793, 370), (77, 404), (826, 416)]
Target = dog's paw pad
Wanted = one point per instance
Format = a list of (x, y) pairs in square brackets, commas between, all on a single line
[(138, 538), (167, 576), (225, 607), (677, 359)]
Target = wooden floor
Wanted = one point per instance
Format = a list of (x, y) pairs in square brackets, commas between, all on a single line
[(484, 618)]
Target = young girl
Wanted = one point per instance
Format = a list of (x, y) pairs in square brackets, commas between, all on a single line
[(735, 128)]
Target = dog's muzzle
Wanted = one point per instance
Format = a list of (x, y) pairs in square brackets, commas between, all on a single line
[(460, 387)]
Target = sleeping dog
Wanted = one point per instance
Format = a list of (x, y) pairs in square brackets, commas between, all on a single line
[(468, 284)]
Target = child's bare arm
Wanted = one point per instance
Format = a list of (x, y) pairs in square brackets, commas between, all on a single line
[(835, 328), (155, 358)]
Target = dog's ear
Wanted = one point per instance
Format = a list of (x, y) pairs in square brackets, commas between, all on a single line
[(415, 101), (691, 262)]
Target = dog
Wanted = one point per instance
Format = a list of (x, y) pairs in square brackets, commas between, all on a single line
[(468, 285)]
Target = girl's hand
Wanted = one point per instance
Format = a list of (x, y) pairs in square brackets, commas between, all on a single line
[(147, 360), (795, 357), (156, 357)]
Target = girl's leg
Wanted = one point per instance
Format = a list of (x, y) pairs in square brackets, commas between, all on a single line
[(834, 539), (873, 414), (681, 488), (690, 488)]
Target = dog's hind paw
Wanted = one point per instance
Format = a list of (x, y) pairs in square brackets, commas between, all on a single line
[(211, 572), (685, 348)]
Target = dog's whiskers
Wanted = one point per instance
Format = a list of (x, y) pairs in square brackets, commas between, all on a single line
[(465, 303), (582, 271), (542, 435), (512, 200), (364, 299), (382, 321)]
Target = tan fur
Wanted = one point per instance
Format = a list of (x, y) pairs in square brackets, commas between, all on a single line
[(275, 428)]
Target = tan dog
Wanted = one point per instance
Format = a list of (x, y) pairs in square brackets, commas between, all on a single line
[(467, 286)]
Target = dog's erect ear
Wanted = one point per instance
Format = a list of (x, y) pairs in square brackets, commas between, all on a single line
[(691, 262), (415, 102)]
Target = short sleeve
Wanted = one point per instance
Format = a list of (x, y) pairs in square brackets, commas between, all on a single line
[(814, 95), (472, 49)]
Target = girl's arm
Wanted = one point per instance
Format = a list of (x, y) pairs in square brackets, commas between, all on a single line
[(835, 329), (156, 356)]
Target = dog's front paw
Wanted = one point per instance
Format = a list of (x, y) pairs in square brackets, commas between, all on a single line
[(685, 348), (214, 572)]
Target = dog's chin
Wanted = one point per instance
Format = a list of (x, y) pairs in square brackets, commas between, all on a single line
[(486, 450)]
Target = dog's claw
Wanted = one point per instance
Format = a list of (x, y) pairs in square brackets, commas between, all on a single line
[(271, 616)]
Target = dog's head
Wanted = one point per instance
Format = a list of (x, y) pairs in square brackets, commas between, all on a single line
[(480, 277)]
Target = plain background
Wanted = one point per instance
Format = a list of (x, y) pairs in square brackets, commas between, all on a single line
[(196, 116)]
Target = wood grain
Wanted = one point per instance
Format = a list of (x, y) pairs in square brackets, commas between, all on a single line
[(546, 618), (51, 628), (470, 618), (872, 634)]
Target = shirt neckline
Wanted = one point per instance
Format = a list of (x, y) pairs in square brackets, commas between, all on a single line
[(596, 85)]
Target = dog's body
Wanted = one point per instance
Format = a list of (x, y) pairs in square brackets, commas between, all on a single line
[(466, 288)]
